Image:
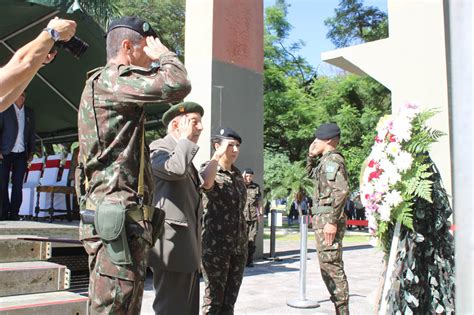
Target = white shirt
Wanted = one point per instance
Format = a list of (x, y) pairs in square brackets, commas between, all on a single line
[(20, 138)]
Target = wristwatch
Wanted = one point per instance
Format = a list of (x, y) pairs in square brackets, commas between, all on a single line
[(53, 33)]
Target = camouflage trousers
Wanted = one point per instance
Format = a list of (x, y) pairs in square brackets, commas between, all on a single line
[(116, 289), (222, 278), (331, 264), (252, 233)]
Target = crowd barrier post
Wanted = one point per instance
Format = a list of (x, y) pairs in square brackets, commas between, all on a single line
[(302, 301)]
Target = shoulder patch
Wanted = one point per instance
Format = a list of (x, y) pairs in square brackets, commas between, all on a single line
[(331, 169)]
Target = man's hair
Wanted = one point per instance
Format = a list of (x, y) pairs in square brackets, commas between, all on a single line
[(169, 128), (115, 38)]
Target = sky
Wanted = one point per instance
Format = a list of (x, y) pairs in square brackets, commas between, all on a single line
[(307, 18)]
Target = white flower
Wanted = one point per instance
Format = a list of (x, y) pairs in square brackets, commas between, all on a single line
[(372, 224), (384, 211), (390, 173), (393, 198), (393, 148), (384, 125), (403, 161), (381, 183), (401, 129), (379, 152)]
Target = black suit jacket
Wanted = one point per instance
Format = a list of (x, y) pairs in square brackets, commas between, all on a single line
[(9, 130)]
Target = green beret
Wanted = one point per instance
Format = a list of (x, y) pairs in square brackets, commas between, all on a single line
[(181, 108), (327, 131)]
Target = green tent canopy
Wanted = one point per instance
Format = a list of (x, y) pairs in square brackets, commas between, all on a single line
[(56, 90)]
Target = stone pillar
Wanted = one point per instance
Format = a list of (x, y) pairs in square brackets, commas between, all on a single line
[(224, 59), (460, 70)]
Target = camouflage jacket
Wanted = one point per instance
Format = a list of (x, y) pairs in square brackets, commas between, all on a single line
[(331, 186), (110, 127), (253, 201), (224, 226)]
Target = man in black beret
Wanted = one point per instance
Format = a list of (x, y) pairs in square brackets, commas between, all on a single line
[(329, 221), (253, 212), (119, 223), (176, 257)]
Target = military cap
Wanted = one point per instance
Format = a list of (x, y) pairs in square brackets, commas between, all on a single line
[(226, 133), (181, 108), (248, 170), (327, 131), (134, 23)]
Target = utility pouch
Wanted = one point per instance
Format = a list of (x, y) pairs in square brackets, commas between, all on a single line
[(87, 216), (110, 225)]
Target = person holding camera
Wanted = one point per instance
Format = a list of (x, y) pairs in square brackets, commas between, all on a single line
[(114, 178), (25, 63)]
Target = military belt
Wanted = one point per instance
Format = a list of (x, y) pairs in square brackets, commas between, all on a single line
[(135, 214), (323, 209)]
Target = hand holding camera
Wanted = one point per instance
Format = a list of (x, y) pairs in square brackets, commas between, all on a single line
[(65, 28)]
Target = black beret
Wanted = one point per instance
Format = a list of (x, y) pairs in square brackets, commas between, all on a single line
[(134, 23), (181, 108), (226, 133), (327, 131), (248, 171)]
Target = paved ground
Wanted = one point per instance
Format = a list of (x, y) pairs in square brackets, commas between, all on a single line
[(267, 287)]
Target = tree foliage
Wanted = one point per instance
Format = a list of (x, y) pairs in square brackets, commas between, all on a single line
[(355, 23), (297, 101)]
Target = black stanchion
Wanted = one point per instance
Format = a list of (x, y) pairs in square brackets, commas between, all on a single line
[(273, 221), (302, 302)]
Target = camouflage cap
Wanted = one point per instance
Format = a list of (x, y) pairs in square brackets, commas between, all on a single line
[(134, 23), (327, 131), (181, 108), (226, 133)]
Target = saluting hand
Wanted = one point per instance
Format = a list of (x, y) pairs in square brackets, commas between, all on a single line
[(329, 231), (221, 149), (154, 48), (185, 128)]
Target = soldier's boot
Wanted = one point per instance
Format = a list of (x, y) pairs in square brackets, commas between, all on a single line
[(251, 251), (342, 309)]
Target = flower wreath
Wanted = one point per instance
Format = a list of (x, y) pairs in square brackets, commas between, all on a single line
[(396, 170)]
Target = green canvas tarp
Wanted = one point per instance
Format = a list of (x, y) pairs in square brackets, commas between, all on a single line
[(55, 92)]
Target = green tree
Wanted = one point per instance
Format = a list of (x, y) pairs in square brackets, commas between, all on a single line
[(102, 11), (355, 23), (283, 178)]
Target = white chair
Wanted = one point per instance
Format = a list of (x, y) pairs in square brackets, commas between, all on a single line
[(29, 187), (50, 177)]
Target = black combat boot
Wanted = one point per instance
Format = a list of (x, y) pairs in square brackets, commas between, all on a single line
[(251, 251)]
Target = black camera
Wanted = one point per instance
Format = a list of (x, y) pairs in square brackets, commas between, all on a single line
[(74, 46)]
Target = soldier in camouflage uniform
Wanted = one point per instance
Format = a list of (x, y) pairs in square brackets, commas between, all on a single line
[(253, 212), (224, 235), (111, 117), (331, 192)]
